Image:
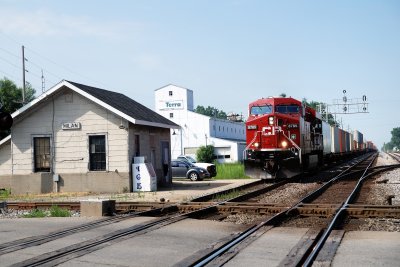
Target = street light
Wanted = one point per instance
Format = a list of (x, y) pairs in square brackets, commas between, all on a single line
[(174, 133)]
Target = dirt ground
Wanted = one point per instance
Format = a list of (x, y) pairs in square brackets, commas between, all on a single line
[(181, 190)]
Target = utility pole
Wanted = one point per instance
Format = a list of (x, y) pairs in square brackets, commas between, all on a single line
[(43, 83), (23, 75)]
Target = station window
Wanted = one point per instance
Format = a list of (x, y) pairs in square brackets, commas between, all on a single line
[(171, 115), (41, 150), (97, 153), (170, 93)]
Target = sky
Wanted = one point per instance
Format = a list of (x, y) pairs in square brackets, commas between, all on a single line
[(229, 52)]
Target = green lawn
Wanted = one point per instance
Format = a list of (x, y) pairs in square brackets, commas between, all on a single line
[(230, 171)]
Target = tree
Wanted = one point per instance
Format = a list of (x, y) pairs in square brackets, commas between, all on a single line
[(205, 154), (11, 98), (211, 112), (314, 104), (387, 147), (282, 95), (11, 95), (395, 141)]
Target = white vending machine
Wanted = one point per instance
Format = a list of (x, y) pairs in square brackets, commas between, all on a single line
[(144, 177)]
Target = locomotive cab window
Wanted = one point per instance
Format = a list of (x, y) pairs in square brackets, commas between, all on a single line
[(261, 110), (287, 109)]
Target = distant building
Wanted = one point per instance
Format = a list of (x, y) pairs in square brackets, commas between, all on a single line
[(86, 138), (228, 137)]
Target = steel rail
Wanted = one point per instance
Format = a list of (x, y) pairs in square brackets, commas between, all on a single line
[(79, 249), (326, 210), (38, 240), (394, 156), (227, 191), (41, 239), (48, 257), (338, 217), (224, 248)]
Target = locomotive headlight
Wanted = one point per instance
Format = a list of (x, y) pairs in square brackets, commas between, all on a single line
[(284, 144), (256, 145), (271, 120)]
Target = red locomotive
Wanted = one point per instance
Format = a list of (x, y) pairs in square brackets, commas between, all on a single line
[(285, 137)]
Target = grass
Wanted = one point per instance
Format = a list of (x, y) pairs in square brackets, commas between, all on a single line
[(234, 193), (5, 194), (55, 211), (230, 171), (36, 213)]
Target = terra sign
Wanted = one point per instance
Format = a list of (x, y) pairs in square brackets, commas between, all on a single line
[(177, 104)]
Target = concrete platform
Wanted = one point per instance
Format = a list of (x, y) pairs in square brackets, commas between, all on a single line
[(270, 248), (171, 244), (181, 190), (369, 249), (162, 247)]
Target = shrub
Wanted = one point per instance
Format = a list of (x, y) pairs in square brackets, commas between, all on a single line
[(36, 213), (205, 154), (56, 211), (5, 193)]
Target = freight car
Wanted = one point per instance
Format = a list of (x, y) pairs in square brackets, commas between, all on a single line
[(285, 137)]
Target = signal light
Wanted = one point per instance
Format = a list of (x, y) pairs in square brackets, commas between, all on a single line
[(6, 120)]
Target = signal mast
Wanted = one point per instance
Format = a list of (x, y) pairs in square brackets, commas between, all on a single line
[(343, 106)]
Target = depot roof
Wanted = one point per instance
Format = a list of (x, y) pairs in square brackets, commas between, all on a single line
[(117, 103)]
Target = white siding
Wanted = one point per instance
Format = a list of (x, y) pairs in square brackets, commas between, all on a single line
[(179, 95), (70, 146), (5, 158), (196, 129)]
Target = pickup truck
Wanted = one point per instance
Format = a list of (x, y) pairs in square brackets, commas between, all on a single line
[(211, 168)]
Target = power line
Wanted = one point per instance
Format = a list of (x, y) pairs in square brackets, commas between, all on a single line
[(49, 60), (12, 64), (41, 68), (60, 66), (10, 53), (10, 75)]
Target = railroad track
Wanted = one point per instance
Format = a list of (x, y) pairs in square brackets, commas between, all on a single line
[(197, 210), (395, 156), (306, 252)]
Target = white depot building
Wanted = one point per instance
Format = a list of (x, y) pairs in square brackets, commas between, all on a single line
[(228, 137)]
